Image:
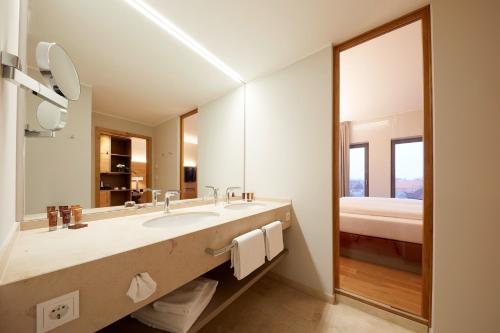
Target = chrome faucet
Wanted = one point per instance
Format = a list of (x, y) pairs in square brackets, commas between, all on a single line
[(216, 193), (229, 191), (168, 195), (155, 194)]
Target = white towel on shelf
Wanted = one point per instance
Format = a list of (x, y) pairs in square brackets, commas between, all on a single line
[(182, 300), (176, 323), (273, 233), (248, 253), (141, 287)]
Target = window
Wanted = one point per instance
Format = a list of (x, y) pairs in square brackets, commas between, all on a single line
[(407, 171), (358, 170)]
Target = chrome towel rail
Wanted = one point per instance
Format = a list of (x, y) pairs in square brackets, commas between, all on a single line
[(218, 252), (222, 250)]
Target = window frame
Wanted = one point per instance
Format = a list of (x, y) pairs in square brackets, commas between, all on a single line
[(366, 146), (395, 142)]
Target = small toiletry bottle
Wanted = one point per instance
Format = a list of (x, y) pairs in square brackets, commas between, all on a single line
[(52, 216), (61, 209), (77, 215), (66, 216), (73, 208), (51, 209)]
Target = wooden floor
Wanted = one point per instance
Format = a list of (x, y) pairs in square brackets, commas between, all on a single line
[(399, 289), (272, 307)]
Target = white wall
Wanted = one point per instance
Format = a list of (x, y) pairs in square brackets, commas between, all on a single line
[(378, 133), (166, 155), (9, 41), (289, 155), (58, 170), (466, 78), (220, 142)]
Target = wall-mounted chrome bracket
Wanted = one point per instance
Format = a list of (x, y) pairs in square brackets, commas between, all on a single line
[(11, 71), (38, 134)]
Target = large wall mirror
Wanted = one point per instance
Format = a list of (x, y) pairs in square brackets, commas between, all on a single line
[(152, 114)]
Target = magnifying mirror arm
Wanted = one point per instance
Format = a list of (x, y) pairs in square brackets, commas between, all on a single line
[(11, 72), (38, 134)]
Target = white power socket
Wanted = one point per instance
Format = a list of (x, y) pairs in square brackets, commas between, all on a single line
[(57, 311)]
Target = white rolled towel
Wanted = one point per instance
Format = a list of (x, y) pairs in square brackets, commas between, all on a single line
[(141, 287), (273, 233)]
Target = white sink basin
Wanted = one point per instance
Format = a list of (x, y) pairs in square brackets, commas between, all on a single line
[(244, 205), (173, 220)]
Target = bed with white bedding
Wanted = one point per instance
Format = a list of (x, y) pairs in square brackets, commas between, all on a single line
[(389, 218), (383, 231)]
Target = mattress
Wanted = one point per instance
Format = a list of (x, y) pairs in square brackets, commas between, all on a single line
[(390, 218)]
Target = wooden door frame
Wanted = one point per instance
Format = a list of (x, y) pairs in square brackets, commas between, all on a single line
[(181, 150), (97, 156), (422, 15)]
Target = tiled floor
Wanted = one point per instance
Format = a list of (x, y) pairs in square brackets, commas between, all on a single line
[(270, 306)]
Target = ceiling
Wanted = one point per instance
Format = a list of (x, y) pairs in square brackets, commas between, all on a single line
[(140, 72), (384, 76)]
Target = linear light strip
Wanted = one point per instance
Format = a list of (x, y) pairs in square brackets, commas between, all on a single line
[(183, 37)]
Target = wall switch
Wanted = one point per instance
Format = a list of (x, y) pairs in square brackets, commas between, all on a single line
[(57, 311)]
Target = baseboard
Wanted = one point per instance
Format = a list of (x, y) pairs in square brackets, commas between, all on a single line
[(329, 298), (6, 247)]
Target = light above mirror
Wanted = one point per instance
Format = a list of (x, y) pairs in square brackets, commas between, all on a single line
[(183, 37)]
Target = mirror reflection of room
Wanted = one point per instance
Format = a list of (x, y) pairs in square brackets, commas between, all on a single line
[(189, 155), (381, 169), (122, 135)]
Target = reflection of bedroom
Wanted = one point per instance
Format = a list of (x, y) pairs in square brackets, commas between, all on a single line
[(381, 169)]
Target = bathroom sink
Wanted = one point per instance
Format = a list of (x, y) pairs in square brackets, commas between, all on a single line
[(172, 220), (244, 205)]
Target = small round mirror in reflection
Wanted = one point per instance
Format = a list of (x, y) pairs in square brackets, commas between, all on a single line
[(57, 68), (51, 117)]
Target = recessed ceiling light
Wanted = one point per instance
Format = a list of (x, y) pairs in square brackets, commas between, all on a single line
[(183, 37)]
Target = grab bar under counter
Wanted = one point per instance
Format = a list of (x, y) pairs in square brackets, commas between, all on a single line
[(218, 252)]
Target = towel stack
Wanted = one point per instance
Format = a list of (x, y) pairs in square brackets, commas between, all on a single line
[(177, 311)]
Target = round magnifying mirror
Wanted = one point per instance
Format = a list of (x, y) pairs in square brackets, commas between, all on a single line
[(51, 117), (58, 69)]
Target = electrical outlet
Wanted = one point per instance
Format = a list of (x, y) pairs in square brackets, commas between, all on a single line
[(57, 311), (287, 216)]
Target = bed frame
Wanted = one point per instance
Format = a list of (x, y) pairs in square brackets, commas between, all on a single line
[(381, 251)]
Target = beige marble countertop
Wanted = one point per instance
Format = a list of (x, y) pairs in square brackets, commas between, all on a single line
[(38, 251)]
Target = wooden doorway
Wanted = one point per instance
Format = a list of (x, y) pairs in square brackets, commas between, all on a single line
[(422, 15), (188, 185), (115, 185)]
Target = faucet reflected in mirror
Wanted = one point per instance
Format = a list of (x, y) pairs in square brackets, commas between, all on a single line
[(168, 195), (230, 193), (215, 192), (155, 194)]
